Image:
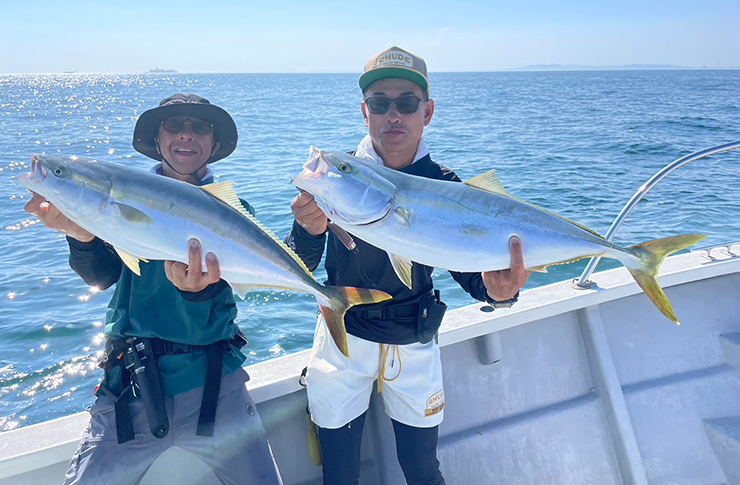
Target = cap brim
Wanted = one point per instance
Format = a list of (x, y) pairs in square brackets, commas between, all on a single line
[(147, 127), (369, 77)]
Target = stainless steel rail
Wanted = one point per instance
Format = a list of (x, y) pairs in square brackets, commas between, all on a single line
[(582, 282)]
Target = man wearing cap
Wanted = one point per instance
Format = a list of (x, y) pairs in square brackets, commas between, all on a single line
[(195, 397), (392, 342)]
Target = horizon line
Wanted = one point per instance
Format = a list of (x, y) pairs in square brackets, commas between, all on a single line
[(528, 68)]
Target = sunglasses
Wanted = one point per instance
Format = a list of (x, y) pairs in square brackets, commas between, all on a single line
[(175, 126), (405, 105)]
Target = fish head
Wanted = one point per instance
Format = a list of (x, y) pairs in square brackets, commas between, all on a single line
[(347, 189), (78, 187)]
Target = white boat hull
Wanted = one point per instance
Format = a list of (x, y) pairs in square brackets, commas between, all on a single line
[(567, 387)]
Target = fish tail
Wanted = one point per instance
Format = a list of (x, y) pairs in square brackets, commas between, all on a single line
[(339, 299), (649, 256)]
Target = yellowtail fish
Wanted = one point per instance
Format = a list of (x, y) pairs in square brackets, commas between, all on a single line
[(464, 226), (146, 216)]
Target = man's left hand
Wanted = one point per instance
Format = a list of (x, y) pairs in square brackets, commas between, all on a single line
[(504, 284), (191, 277)]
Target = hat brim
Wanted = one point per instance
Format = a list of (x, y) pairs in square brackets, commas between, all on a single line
[(369, 77), (147, 127)]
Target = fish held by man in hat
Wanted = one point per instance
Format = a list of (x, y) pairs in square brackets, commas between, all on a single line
[(464, 226), (146, 217)]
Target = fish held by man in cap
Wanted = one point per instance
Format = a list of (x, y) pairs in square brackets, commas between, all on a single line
[(146, 216), (464, 226)]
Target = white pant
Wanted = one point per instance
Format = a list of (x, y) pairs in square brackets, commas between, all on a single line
[(339, 389)]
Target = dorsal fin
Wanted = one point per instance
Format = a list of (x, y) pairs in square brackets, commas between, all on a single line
[(489, 182), (224, 191)]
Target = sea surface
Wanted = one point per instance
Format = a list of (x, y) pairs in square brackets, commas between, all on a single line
[(577, 143)]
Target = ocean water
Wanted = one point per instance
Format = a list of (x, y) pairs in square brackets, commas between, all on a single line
[(577, 143)]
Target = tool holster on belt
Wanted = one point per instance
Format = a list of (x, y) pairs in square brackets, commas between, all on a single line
[(431, 312), (140, 375)]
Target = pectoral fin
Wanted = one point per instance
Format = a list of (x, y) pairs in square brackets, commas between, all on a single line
[(402, 267), (131, 261), (132, 214)]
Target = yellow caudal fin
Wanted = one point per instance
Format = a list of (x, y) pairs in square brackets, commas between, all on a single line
[(651, 255), (341, 299)]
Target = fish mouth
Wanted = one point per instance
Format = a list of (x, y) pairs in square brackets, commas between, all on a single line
[(38, 172), (314, 168)]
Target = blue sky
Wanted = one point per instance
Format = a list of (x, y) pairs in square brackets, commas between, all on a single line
[(329, 36)]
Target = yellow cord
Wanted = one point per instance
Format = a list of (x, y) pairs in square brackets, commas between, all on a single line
[(381, 368)]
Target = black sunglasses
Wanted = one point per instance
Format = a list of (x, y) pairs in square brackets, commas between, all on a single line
[(406, 104), (176, 126)]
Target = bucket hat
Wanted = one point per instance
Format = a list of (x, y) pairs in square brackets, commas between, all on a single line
[(147, 126)]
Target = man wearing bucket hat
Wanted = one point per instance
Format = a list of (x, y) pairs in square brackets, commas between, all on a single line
[(195, 397), (161, 134), (392, 342)]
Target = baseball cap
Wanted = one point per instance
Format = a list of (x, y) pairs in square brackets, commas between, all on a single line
[(395, 62)]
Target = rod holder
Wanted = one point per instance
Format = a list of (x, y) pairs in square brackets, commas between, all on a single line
[(489, 348)]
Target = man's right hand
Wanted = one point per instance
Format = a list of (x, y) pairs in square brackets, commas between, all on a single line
[(53, 219), (308, 214)]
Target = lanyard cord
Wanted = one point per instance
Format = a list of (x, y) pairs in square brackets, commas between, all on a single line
[(381, 366), (198, 180)]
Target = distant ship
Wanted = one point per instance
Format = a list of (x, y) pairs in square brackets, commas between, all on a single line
[(162, 71)]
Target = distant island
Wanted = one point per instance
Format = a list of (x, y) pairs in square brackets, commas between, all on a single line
[(635, 67), (162, 71)]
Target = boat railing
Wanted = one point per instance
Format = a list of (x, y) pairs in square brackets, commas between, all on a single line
[(582, 282)]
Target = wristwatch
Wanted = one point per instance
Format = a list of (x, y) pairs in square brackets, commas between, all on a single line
[(506, 303)]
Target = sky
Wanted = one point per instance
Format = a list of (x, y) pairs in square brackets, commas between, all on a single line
[(235, 36)]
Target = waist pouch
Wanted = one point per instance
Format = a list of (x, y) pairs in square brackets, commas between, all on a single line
[(431, 312)]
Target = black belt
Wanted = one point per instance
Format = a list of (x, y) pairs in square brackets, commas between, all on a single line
[(167, 347), (391, 312), (115, 348)]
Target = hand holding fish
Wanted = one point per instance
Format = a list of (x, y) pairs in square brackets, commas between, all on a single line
[(504, 284), (191, 277), (52, 218), (308, 214)]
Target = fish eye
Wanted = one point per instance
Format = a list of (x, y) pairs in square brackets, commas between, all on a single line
[(344, 167), (58, 171)]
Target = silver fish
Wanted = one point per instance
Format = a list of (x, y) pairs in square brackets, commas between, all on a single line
[(146, 216), (464, 226)]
